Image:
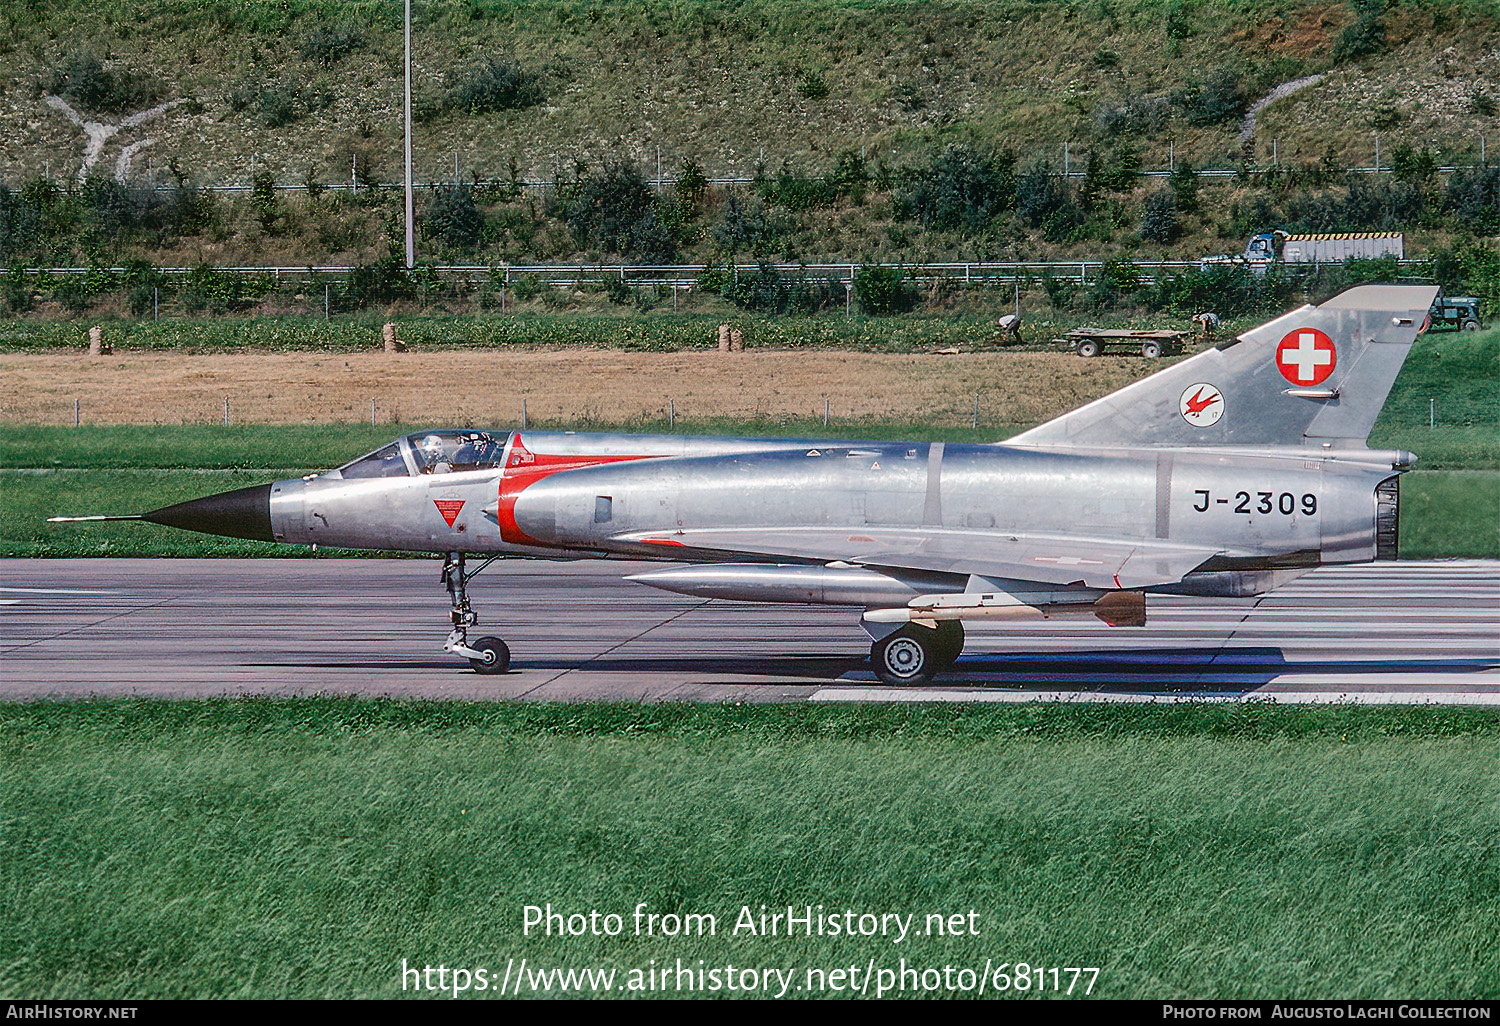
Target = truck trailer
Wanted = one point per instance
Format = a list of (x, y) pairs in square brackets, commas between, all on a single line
[(1268, 248), (1334, 248)]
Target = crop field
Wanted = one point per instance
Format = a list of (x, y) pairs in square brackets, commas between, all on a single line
[(572, 387), (305, 849)]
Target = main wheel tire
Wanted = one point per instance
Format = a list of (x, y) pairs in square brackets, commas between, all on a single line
[(1088, 349), (496, 656), (1150, 350), (906, 657), (949, 644), (1471, 325)]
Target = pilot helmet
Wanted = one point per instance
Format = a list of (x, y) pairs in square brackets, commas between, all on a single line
[(431, 448)]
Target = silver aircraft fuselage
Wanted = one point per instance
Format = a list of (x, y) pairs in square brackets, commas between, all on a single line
[(644, 496)]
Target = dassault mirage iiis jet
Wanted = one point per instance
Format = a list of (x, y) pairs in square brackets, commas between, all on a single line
[(1227, 474)]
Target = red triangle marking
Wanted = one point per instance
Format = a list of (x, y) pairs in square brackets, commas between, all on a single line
[(449, 508)]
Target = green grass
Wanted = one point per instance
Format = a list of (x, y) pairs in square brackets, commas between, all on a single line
[(303, 849), (191, 447), (321, 446), (1450, 513), (28, 498)]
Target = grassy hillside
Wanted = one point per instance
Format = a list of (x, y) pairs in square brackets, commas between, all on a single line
[(720, 82), (870, 93)]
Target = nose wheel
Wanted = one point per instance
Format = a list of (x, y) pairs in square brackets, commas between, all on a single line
[(495, 657), (487, 654)]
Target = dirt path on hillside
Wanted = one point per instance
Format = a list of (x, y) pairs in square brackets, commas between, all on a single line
[(568, 386)]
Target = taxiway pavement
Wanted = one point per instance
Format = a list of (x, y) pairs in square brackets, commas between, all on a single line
[(1384, 632)]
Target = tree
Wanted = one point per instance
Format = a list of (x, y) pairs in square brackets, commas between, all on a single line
[(1160, 223)]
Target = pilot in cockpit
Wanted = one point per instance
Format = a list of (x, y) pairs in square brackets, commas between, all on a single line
[(434, 458)]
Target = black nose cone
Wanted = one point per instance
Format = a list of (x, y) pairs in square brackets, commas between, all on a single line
[(243, 513)]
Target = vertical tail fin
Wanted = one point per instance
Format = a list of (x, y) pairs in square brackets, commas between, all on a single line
[(1317, 376)]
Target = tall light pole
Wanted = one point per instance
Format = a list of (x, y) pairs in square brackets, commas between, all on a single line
[(411, 248)]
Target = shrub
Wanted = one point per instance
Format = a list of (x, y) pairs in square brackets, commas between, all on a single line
[(17, 288), (849, 176), (714, 279), (276, 105), (795, 190), (1365, 38), (140, 281), (1184, 183), (963, 189), (769, 291), (1041, 193), (654, 237), (692, 183), (742, 225), (1367, 204), (527, 286), (204, 289), (1230, 290), (330, 44), (1178, 25), (1160, 222), (1409, 164), (1059, 290), (83, 79), (1213, 101), (1136, 115), (452, 217), (812, 86), (1118, 170), (73, 293), (498, 84), (385, 281), (616, 289), (124, 210), (263, 199), (603, 207), (1473, 194), (883, 290)]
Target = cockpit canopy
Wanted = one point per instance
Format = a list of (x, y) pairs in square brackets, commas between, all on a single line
[(431, 452)]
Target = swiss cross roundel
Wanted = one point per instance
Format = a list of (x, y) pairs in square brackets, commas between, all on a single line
[(1306, 357)]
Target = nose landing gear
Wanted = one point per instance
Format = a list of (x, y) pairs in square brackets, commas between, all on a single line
[(487, 654)]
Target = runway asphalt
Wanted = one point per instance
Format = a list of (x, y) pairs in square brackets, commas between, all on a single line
[(1387, 632)]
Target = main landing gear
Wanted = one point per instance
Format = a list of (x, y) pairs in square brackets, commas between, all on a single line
[(487, 654), (914, 653)]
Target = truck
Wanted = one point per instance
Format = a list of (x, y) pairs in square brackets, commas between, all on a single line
[(1454, 313), (1272, 247)]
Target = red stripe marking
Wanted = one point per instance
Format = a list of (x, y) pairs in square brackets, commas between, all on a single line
[(524, 468)]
